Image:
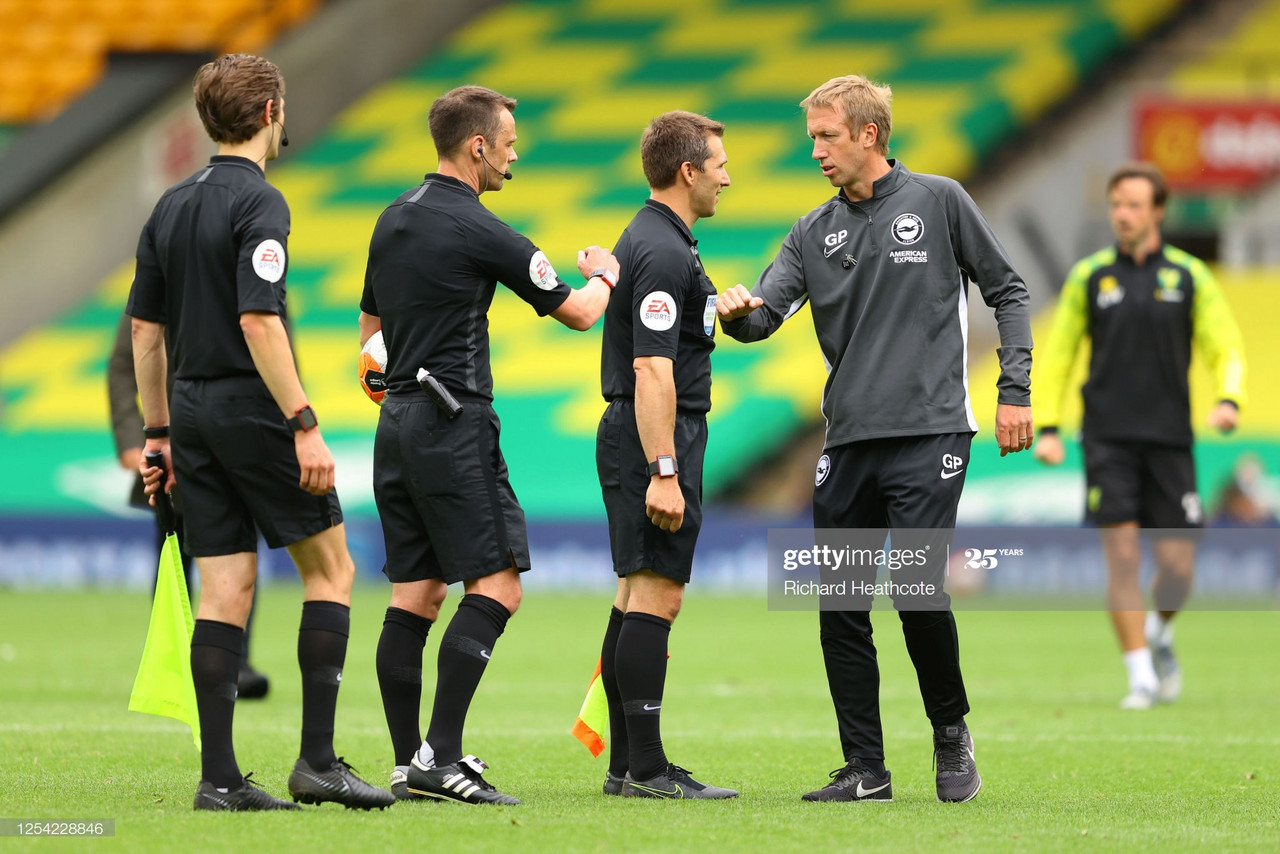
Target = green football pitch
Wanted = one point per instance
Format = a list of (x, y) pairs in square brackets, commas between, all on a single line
[(746, 706)]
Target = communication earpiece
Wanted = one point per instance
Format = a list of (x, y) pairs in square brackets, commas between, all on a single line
[(480, 150)]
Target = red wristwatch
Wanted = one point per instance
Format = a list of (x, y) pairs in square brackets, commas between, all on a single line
[(610, 277), (304, 419)]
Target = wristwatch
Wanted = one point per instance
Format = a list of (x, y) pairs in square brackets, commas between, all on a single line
[(304, 419), (664, 466), (610, 277), (161, 432)]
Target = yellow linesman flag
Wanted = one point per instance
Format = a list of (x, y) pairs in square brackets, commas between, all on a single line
[(164, 685), (593, 717)]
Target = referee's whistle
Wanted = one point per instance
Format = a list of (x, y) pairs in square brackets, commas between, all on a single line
[(439, 395)]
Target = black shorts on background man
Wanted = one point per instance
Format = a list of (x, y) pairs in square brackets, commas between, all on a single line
[(655, 371), (210, 279), (448, 512)]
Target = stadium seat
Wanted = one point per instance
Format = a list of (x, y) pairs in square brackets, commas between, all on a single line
[(1242, 65), (65, 42)]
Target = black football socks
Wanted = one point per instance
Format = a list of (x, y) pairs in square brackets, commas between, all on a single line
[(322, 649), (464, 652), (215, 668), (641, 661), (619, 752), (404, 634)]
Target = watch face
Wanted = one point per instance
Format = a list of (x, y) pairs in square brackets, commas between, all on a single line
[(307, 418), (666, 466)]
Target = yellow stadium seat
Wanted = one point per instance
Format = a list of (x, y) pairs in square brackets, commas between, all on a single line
[(294, 11), (66, 77), (63, 43), (18, 91), (252, 36)]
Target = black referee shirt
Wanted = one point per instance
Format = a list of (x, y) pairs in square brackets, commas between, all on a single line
[(435, 259), (664, 306), (214, 248)]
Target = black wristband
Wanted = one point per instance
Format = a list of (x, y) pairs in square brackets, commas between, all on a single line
[(1047, 431), (156, 432), (1233, 404)]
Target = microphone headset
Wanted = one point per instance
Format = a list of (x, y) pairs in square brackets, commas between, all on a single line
[(507, 175), (284, 138)]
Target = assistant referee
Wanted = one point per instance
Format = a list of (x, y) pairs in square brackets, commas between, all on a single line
[(246, 447), (448, 510), (655, 371)]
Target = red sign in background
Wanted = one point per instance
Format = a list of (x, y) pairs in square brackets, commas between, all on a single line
[(1210, 145)]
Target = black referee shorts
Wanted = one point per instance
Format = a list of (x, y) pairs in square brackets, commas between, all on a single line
[(1153, 485), (636, 542), (443, 493), (237, 468)]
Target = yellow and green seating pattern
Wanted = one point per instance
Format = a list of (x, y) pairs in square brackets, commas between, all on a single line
[(589, 74)]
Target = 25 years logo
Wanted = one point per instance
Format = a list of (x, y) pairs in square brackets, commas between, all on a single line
[(987, 558)]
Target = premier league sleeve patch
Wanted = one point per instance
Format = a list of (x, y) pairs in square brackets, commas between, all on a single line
[(268, 260), (541, 273)]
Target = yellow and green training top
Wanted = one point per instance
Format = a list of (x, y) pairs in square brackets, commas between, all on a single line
[(1143, 320)]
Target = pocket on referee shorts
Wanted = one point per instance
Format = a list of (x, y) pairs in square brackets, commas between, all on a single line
[(607, 453), (433, 472), (242, 430)]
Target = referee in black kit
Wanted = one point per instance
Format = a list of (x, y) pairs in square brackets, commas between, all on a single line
[(448, 511), (246, 448), (655, 371), (886, 265)]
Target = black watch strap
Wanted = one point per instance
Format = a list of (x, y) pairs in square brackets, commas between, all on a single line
[(664, 466), (161, 432), (302, 420)]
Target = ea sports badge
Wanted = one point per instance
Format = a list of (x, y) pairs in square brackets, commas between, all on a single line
[(657, 311), (372, 369), (541, 273), (268, 260)]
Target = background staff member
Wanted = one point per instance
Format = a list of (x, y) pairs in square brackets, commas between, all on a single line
[(1143, 304), (448, 511), (126, 428), (211, 266), (655, 371), (886, 265)]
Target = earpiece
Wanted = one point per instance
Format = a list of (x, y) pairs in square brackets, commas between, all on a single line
[(480, 151)]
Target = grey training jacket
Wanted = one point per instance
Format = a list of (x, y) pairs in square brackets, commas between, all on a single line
[(888, 278)]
